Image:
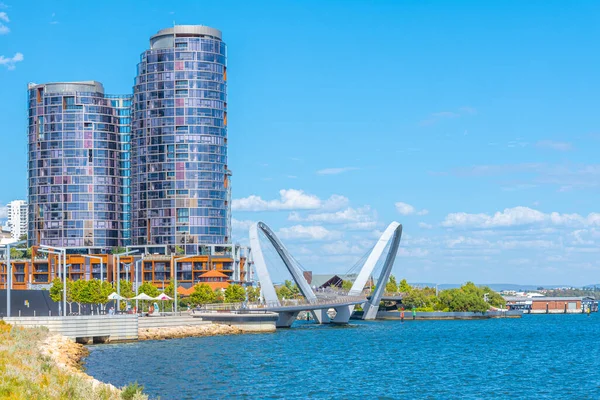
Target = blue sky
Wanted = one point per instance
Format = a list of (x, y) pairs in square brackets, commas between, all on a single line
[(472, 123)]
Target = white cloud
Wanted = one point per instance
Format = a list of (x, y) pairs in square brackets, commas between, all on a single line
[(241, 225), (357, 219), (335, 202), (550, 144), (404, 208), (417, 252), (290, 199), (509, 217), (466, 241), (342, 247), (340, 217), (424, 225), (518, 216), (313, 232), (335, 171), (3, 212), (4, 17), (10, 62), (4, 29), (407, 209)]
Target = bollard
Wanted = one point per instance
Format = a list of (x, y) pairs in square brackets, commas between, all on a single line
[(49, 313), (34, 313), (19, 313)]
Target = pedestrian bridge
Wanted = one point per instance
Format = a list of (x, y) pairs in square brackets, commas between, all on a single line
[(318, 303)]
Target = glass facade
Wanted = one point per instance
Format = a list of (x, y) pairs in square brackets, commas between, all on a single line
[(179, 176), (76, 137)]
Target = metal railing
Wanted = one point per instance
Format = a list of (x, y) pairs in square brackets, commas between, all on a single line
[(298, 302)]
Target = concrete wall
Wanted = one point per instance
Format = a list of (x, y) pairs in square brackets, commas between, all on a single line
[(555, 311), (436, 315), (169, 322), (86, 329), (260, 322)]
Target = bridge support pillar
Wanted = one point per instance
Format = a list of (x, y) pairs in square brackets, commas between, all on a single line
[(343, 314), (286, 319), (321, 316), (370, 311)]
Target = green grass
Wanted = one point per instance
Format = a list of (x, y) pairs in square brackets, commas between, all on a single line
[(27, 374)]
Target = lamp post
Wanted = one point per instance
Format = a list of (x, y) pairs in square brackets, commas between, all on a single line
[(9, 275), (118, 255), (137, 282), (101, 265), (175, 260), (64, 253)]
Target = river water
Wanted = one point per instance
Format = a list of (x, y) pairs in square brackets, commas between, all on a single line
[(537, 356)]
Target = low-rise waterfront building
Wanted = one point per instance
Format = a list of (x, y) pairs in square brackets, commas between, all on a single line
[(39, 270), (551, 305)]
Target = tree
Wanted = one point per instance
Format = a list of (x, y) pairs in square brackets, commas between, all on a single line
[(179, 250), (253, 294), (148, 289), (95, 290), (16, 253), (235, 294), (202, 294), (219, 297), (80, 293), (23, 237), (283, 292), (404, 287), (56, 290), (126, 291), (417, 298), (117, 250), (106, 289), (347, 285), (391, 286)]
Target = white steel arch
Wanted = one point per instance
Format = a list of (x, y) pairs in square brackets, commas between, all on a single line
[(266, 284), (392, 234)]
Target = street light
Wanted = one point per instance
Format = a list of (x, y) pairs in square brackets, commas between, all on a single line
[(101, 265), (175, 260), (9, 275), (118, 255), (137, 283), (64, 253)]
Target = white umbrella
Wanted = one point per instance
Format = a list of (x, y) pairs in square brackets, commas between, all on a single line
[(163, 296), (142, 296), (115, 296)]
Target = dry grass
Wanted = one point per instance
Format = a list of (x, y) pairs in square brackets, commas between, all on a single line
[(25, 373)]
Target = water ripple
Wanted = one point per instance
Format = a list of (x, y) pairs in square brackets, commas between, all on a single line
[(542, 357)]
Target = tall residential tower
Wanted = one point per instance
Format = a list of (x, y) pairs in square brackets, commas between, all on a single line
[(179, 175), (75, 179)]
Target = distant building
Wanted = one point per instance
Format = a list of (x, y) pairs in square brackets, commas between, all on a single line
[(17, 218), (551, 305)]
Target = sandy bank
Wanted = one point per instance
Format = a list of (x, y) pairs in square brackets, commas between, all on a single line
[(186, 331)]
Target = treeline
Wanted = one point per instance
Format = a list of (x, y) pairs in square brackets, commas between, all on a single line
[(95, 294), (468, 297), (595, 293)]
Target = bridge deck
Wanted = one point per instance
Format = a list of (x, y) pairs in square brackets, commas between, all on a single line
[(314, 306)]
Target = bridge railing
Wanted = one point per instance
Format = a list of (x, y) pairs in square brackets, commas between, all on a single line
[(255, 306)]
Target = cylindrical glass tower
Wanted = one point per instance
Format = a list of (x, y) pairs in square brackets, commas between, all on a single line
[(74, 180), (179, 141)]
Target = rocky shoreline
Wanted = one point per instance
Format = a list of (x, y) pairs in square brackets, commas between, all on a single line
[(179, 332), (68, 355)]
